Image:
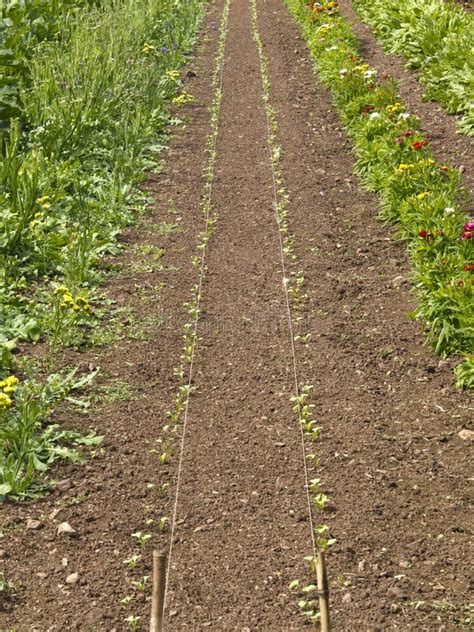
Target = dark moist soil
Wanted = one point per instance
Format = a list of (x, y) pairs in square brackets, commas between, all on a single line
[(390, 455), (447, 144)]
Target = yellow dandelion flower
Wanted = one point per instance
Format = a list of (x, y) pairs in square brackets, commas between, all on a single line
[(422, 195)]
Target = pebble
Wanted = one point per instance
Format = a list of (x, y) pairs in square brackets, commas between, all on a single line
[(347, 598), (466, 435), (66, 528), (73, 578), (34, 525)]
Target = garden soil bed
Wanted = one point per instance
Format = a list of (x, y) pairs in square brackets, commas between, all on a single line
[(390, 455)]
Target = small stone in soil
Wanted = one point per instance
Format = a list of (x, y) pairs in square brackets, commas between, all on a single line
[(466, 435), (66, 528), (34, 525), (72, 578)]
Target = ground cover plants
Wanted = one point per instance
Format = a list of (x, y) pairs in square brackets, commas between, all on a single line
[(436, 37), (85, 95), (423, 198)]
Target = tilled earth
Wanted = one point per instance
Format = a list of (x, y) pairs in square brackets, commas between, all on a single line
[(390, 455)]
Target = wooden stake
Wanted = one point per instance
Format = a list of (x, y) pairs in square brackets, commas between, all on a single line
[(323, 590), (158, 594)]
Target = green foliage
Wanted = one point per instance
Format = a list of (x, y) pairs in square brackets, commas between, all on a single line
[(29, 442), (23, 25), (423, 198), (437, 39), (95, 100), (84, 96)]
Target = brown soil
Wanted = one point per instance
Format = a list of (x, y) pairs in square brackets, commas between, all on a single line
[(447, 144), (390, 455)]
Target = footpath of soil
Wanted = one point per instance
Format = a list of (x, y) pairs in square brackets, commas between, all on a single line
[(390, 455)]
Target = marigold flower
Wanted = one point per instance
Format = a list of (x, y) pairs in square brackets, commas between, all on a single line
[(422, 195), (422, 234), (468, 267), (444, 168)]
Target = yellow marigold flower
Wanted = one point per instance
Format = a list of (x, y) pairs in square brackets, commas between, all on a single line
[(5, 401), (9, 389), (422, 195), (11, 380), (403, 166), (61, 289)]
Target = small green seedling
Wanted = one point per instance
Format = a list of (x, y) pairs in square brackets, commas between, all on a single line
[(133, 561), (142, 538), (133, 621), (162, 525), (126, 601), (141, 585)]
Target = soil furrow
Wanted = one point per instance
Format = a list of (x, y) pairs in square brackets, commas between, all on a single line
[(243, 526)]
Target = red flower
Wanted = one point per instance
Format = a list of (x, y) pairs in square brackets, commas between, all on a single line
[(444, 168), (468, 267), (418, 144), (422, 234)]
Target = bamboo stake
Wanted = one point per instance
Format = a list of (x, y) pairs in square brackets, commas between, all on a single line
[(323, 591), (158, 594)]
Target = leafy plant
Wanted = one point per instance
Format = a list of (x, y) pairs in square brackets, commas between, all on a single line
[(436, 37), (29, 442)]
